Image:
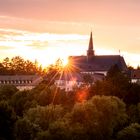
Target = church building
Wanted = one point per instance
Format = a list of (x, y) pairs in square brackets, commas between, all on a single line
[(96, 64)]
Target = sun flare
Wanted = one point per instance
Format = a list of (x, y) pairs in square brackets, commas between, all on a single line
[(65, 61)]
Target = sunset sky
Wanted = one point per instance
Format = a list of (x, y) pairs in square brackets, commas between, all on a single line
[(48, 29)]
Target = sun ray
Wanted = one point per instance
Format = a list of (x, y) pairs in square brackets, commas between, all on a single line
[(61, 74)]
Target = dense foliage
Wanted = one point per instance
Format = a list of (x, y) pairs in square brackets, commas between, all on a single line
[(107, 110), (17, 65)]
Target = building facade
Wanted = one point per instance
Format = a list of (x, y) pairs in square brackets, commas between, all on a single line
[(69, 81), (22, 82), (135, 76), (96, 64)]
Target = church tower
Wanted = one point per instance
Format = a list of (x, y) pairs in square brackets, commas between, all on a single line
[(90, 51)]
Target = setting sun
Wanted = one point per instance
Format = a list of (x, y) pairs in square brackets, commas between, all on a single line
[(64, 32), (65, 61), (69, 69)]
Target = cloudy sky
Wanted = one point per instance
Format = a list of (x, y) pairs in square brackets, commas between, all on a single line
[(48, 29)]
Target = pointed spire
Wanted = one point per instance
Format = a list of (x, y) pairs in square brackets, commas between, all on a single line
[(90, 51), (90, 47)]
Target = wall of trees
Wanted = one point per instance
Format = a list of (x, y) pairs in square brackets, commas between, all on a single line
[(17, 65), (107, 110)]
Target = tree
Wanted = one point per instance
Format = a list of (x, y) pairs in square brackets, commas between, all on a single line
[(45, 97), (111, 114), (101, 115), (44, 135), (5, 68), (53, 72), (31, 68), (130, 67), (6, 63), (7, 120), (7, 91), (115, 83), (43, 116), (25, 130), (138, 67), (59, 130), (113, 71), (2, 69), (133, 94), (133, 112), (21, 103), (116, 76), (17, 64), (132, 132), (87, 79)]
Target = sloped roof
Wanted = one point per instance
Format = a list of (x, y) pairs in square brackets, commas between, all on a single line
[(97, 63), (135, 74), (68, 76), (35, 79)]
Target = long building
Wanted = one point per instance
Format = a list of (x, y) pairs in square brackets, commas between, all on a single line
[(93, 64), (22, 82)]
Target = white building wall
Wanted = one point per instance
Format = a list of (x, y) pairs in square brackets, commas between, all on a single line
[(94, 72), (67, 85), (21, 88), (135, 80)]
